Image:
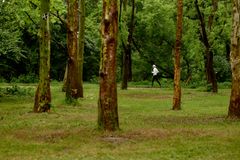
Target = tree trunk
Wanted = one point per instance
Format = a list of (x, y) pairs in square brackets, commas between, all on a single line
[(211, 17), (130, 40), (177, 66), (43, 94), (73, 90), (81, 43), (211, 75), (125, 67), (234, 106), (208, 56), (107, 104), (127, 54), (64, 88)]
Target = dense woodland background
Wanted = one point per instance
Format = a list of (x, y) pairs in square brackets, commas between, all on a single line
[(148, 128), (153, 40)]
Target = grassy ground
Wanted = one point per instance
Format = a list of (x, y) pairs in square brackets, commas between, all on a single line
[(150, 130)]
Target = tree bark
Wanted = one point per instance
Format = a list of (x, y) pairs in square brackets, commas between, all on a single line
[(107, 103), (208, 56), (73, 90), (43, 94), (81, 43), (177, 66), (234, 106)]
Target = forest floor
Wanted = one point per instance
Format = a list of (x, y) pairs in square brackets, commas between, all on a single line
[(150, 130)]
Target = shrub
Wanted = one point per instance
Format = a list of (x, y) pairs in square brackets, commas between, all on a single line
[(16, 90), (29, 78), (2, 80)]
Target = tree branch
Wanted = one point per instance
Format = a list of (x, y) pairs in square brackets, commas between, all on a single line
[(57, 15), (30, 18)]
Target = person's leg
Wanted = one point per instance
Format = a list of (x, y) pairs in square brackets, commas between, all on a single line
[(158, 82), (152, 80)]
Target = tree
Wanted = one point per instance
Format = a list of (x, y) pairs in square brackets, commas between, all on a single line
[(74, 88), (177, 67), (43, 94), (127, 49), (208, 56), (81, 42), (234, 106), (107, 103)]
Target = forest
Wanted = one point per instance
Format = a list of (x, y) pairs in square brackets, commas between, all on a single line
[(153, 33), (77, 79)]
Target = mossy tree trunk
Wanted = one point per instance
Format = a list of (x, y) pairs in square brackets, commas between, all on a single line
[(177, 57), (234, 106), (73, 89), (107, 104), (43, 94)]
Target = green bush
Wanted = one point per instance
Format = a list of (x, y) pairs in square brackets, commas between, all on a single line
[(94, 79), (225, 85), (194, 84), (16, 90), (140, 84), (2, 80), (29, 78)]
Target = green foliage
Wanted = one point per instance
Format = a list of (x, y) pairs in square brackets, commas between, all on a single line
[(141, 69), (154, 36), (92, 40), (225, 85), (154, 39), (29, 78), (16, 90), (222, 69), (11, 51), (2, 80), (194, 84)]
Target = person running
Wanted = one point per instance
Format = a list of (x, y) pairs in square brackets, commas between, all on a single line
[(155, 75)]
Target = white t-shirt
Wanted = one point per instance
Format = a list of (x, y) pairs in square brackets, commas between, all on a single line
[(155, 71)]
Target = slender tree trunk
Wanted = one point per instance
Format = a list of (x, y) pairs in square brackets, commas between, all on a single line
[(107, 104), (208, 56), (125, 67), (177, 57), (211, 75), (64, 88), (189, 71), (234, 106), (130, 39), (73, 90), (127, 54), (43, 94), (81, 43)]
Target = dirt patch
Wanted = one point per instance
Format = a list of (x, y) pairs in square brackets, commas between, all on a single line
[(166, 134), (152, 133), (115, 140), (50, 136)]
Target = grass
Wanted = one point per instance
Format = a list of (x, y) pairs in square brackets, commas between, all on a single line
[(150, 130)]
